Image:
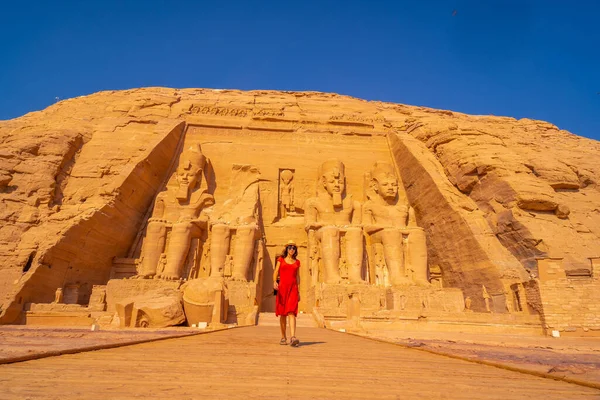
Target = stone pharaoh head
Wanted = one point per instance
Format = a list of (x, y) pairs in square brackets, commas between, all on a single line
[(384, 181), (189, 170), (332, 179)]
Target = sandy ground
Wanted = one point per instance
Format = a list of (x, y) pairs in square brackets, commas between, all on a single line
[(577, 358)]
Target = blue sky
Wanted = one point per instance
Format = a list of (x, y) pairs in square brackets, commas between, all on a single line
[(521, 58)]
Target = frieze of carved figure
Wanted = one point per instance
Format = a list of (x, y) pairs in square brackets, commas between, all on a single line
[(330, 215), (179, 209), (286, 193), (390, 225)]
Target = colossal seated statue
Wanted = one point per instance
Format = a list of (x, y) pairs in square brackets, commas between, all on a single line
[(330, 217), (234, 225), (179, 210), (391, 228)]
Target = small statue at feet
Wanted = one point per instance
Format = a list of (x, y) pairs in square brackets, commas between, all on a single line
[(58, 296), (486, 298)]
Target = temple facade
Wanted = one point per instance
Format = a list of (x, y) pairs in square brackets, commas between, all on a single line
[(402, 219)]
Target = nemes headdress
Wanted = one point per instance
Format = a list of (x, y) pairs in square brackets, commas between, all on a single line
[(193, 155), (382, 169), (334, 165)]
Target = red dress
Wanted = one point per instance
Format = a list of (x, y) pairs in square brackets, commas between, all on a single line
[(287, 294)]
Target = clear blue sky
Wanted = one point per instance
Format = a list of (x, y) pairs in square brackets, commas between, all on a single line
[(522, 58)]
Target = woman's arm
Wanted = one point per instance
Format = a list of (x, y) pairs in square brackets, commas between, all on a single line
[(298, 279), (275, 275)]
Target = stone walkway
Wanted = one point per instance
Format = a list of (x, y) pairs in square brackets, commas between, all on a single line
[(571, 358), (249, 363), (22, 342)]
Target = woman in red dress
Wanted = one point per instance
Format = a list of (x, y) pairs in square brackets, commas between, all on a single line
[(287, 269)]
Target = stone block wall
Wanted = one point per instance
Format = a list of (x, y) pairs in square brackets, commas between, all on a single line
[(571, 304)]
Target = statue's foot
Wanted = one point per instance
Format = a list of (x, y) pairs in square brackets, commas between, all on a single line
[(358, 282), (403, 281), (169, 277), (143, 276), (421, 282)]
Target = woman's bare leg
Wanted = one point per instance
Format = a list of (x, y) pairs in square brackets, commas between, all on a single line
[(292, 324), (282, 326)]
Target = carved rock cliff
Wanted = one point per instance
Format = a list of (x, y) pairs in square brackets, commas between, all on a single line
[(492, 193)]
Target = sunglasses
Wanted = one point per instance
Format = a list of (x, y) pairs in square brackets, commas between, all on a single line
[(292, 247)]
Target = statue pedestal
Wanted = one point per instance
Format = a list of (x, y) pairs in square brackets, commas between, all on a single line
[(220, 301), (52, 314), (339, 301), (152, 303), (118, 290), (243, 302)]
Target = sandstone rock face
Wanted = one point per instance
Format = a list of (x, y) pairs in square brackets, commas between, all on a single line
[(79, 183)]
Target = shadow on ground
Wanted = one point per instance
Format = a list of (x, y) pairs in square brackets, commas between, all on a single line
[(302, 344)]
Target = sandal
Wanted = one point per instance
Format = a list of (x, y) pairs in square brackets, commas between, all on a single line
[(283, 341), (294, 342)]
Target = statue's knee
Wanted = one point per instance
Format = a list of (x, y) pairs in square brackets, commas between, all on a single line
[(392, 236), (330, 232), (155, 227), (220, 229), (354, 234), (248, 231), (181, 227)]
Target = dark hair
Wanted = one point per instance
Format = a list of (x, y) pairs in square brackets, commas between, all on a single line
[(284, 253)]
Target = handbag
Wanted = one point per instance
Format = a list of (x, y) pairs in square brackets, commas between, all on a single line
[(275, 290)]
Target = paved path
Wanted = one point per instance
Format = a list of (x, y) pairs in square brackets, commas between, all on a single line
[(249, 363), (571, 358), (23, 342)]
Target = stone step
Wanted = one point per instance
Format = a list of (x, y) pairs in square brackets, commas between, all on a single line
[(302, 321)]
